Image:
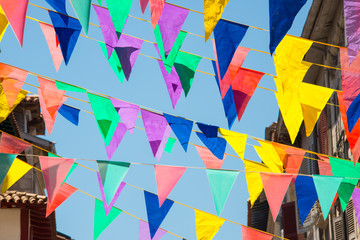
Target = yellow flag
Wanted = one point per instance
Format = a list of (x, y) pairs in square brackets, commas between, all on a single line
[(236, 140), (4, 107), (3, 23), (313, 99), (253, 178), (213, 10), (17, 170), (270, 157), (207, 225)]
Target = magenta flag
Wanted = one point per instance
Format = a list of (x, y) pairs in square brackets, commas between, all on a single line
[(128, 49), (143, 5), (352, 24), (107, 28), (356, 201), (116, 139), (144, 232), (128, 113)]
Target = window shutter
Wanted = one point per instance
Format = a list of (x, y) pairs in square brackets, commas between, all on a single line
[(323, 132), (338, 228), (350, 220)]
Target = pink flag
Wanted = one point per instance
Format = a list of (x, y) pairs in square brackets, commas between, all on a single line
[(65, 191), (53, 44), (352, 24), (10, 144), (209, 159), (144, 232), (254, 234), (54, 171), (275, 186), (324, 166), (15, 11), (166, 179), (128, 113), (156, 8), (143, 5)]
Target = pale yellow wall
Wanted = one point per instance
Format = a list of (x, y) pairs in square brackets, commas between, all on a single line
[(10, 224)]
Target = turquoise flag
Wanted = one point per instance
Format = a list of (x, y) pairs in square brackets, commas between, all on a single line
[(101, 221), (82, 10), (114, 62), (6, 161), (221, 183), (119, 11)]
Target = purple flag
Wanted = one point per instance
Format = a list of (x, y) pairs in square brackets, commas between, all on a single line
[(117, 194), (352, 23), (116, 139), (128, 49), (156, 128), (356, 201), (170, 24), (107, 28), (144, 232), (128, 113)]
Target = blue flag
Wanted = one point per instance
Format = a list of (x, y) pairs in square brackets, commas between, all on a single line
[(282, 14), (155, 214), (228, 36), (181, 127), (306, 195), (353, 113), (209, 137), (70, 113), (58, 5), (67, 31)]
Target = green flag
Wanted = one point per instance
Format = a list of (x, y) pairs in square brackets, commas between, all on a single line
[(185, 65), (101, 221), (68, 87), (106, 116), (221, 183), (345, 191), (326, 188), (119, 11), (169, 145), (69, 173), (82, 9), (114, 62), (6, 160)]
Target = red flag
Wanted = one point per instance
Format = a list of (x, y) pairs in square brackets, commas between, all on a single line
[(65, 191), (324, 166), (291, 157), (10, 144), (253, 234), (209, 159), (156, 8), (53, 44)]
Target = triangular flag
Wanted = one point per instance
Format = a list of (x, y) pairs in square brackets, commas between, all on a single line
[(143, 5), (356, 201), (166, 179), (324, 166), (4, 108), (119, 11), (11, 144), (269, 156), (6, 160), (17, 170), (275, 186), (236, 140), (53, 98), (157, 131), (352, 113), (169, 145), (228, 36), (82, 10), (144, 232), (345, 191), (156, 8), (128, 113), (209, 137), (207, 225), (52, 42), (291, 157), (221, 183), (209, 159), (110, 177), (352, 28), (12, 80), (127, 50), (54, 172), (68, 87), (326, 188), (70, 113), (67, 31), (65, 191), (116, 140), (70, 171), (58, 5), (282, 15), (306, 195), (15, 12), (101, 220), (155, 213), (3, 23), (105, 115), (181, 127), (254, 234), (114, 62), (213, 10)]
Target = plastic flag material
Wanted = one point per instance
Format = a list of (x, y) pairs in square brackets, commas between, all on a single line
[(306, 195), (181, 127), (58, 5), (106, 116), (68, 87), (254, 234), (101, 220), (213, 10), (82, 10), (116, 139), (169, 145), (15, 12), (143, 5), (269, 156), (166, 179), (324, 166), (253, 178), (209, 159), (209, 137), (356, 201), (353, 114), (157, 131), (52, 42), (54, 172), (228, 36), (156, 8), (352, 25), (11, 144), (119, 11), (3, 23), (12, 80), (6, 160), (282, 14), (221, 183), (110, 177), (70, 113), (65, 191), (114, 62), (207, 225), (293, 159), (67, 31), (4, 107), (128, 113), (236, 140), (144, 232), (17, 170), (275, 186), (70, 171), (326, 188), (127, 50), (155, 213)]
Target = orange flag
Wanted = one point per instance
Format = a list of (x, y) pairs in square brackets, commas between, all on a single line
[(65, 191), (324, 166), (253, 234), (209, 159), (291, 157), (53, 44)]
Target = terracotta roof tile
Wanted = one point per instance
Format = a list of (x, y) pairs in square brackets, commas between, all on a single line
[(22, 197)]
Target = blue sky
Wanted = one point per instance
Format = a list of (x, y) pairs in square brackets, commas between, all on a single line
[(88, 68)]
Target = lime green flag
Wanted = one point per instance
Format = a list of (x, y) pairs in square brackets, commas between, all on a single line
[(106, 116), (101, 221), (185, 65), (68, 87), (119, 11), (221, 183), (82, 10), (114, 62), (169, 145), (345, 191)]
